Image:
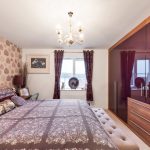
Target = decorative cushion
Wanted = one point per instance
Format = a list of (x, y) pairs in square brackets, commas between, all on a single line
[(139, 81), (18, 101), (6, 93), (2, 109), (8, 105)]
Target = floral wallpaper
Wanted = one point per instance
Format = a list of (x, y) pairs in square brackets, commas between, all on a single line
[(10, 62)]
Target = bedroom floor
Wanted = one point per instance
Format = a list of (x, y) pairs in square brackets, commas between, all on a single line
[(134, 137)]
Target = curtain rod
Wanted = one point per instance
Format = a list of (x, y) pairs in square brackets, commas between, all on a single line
[(142, 52), (72, 52)]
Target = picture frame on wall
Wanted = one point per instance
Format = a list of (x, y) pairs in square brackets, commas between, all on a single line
[(38, 63)]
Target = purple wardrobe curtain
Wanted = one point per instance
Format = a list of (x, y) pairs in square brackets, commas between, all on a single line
[(58, 54), (88, 59), (127, 62)]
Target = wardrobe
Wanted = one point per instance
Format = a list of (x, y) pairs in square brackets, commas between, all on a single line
[(140, 80)]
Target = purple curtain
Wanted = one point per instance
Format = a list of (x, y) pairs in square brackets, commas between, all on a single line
[(88, 60), (58, 54), (127, 62)]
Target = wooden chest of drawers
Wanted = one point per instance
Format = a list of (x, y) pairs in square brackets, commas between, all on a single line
[(139, 118)]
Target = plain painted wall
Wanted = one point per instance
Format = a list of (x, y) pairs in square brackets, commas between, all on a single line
[(44, 83)]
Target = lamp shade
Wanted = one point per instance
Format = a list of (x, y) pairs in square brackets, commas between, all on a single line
[(18, 80)]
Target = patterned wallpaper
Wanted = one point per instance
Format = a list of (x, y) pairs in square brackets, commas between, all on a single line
[(10, 62)]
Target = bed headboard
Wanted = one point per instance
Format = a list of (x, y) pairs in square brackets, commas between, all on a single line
[(6, 93)]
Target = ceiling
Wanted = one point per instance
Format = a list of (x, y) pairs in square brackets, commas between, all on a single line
[(31, 23)]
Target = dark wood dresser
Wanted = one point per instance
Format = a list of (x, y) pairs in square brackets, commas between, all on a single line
[(139, 118)]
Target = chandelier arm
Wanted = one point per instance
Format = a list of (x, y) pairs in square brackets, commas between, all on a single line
[(70, 25)]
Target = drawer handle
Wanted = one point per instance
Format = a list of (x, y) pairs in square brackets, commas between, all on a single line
[(141, 89)]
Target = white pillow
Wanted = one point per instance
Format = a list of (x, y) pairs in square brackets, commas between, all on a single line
[(2, 109), (8, 105)]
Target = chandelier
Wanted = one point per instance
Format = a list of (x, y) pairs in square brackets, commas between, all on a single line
[(74, 35)]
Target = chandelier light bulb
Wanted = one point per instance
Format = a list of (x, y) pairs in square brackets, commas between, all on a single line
[(81, 36), (79, 24), (60, 41), (58, 27)]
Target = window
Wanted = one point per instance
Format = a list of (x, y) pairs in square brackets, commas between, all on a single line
[(141, 69), (73, 67)]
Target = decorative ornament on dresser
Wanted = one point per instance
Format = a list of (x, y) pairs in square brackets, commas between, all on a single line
[(74, 36), (73, 82)]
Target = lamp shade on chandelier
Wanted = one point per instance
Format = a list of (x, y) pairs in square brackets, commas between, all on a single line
[(73, 36)]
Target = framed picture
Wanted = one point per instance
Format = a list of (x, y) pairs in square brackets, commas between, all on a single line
[(24, 92), (38, 63)]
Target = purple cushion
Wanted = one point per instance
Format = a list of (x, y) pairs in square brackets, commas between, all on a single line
[(18, 101), (6, 93)]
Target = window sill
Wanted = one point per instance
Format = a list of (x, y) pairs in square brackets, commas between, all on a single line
[(73, 90)]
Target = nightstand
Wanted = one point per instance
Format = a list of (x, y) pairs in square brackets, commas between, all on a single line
[(31, 97)]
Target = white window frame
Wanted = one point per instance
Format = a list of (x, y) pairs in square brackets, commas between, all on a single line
[(74, 74), (134, 72)]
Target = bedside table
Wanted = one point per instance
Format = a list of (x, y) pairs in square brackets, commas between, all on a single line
[(31, 97)]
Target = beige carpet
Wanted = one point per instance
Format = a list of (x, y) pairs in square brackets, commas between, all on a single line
[(130, 134)]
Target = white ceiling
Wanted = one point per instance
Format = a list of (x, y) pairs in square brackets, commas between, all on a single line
[(31, 23)]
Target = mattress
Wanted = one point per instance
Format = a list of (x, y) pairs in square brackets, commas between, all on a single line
[(53, 125)]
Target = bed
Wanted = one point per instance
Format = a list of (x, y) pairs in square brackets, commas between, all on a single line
[(53, 125)]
